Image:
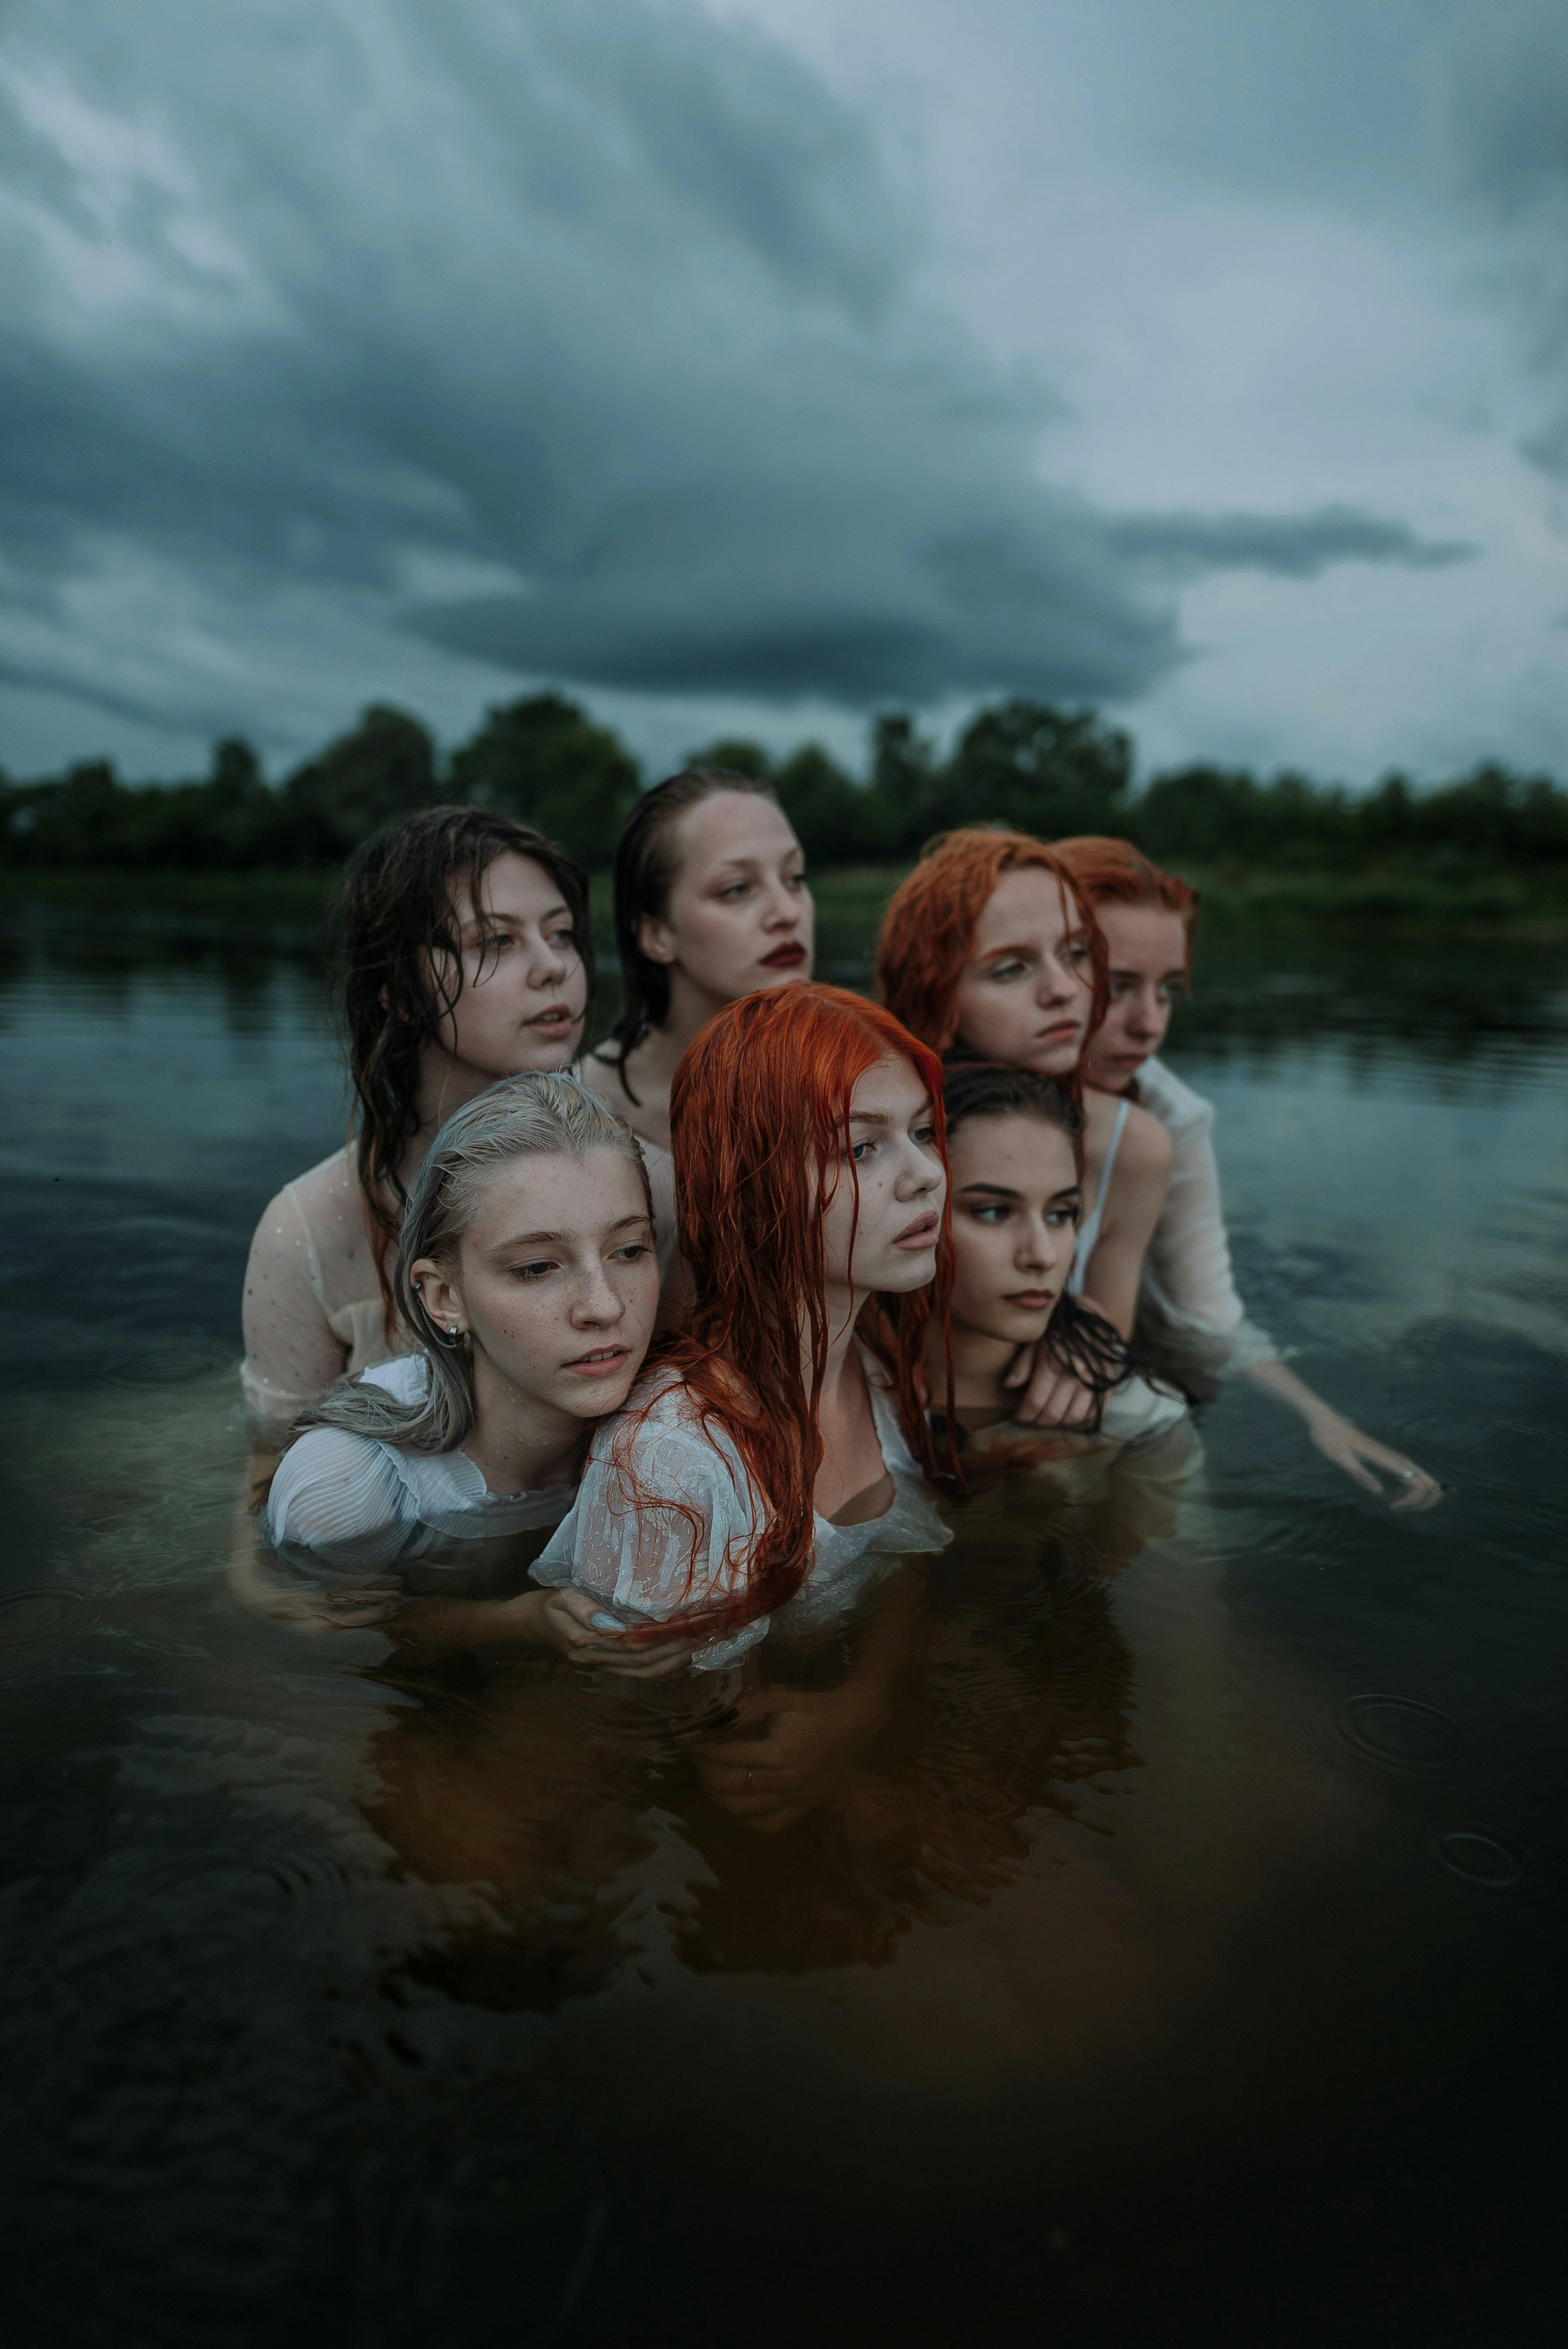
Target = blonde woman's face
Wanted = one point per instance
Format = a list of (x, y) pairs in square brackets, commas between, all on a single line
[(1024, 995), (740, 916), (556, 1279), (524, 986)]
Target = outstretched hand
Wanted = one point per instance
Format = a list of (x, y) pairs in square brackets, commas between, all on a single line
[(1359, 1454)]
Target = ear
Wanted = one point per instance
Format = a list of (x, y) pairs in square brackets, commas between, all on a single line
[(440, 1295), (654, 940)]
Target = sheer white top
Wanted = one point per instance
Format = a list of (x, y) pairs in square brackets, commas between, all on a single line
[(313, 1303), (640, 1560), (1187, 1274), (353, 1501)]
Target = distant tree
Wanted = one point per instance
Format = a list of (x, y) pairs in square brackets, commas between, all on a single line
[(543, 760), (384, 768), (907, 780), (736, 752), (1039, 769)]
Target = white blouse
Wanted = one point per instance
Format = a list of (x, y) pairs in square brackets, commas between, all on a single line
[(1187, 1275), (355, 1501), (313, 1303), (640, 1560)]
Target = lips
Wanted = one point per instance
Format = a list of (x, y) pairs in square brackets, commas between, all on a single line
[(785, 958), (1061, 1032), (558, 1015), (602, 1363), (1031, 1301), (921, 1234)]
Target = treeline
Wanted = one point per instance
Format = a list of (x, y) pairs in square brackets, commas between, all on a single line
[(545, 761)]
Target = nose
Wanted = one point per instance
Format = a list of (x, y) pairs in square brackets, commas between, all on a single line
[(597, 1305), (1059, 981), (550, 964), (782, 908), (924, 1175), (1145, 1015), (1039, 1248)]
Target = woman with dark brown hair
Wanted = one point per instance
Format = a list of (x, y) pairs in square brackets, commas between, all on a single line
[(468, 958), (711, 904)]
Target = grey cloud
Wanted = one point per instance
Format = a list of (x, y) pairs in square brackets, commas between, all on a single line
[(612, 308), (1297, 546)]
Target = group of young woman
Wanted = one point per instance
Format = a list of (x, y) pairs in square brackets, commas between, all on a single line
[(725, 1299)]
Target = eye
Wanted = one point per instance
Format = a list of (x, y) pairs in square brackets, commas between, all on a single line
[(737, 890), (563, 939), (534, 1269), (794, 880), (925, 1135), (995, 1214), (1119, 988), (632, 1253), (1075, 951), (860, 1151), (1004, 971)]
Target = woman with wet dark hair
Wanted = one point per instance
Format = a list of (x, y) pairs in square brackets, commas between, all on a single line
[(468, 958), (711, 904)]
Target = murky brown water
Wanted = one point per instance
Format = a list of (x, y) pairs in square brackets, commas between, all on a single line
[(1157, 1936)]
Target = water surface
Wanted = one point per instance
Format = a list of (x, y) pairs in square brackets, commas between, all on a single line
[(1162, 1939)]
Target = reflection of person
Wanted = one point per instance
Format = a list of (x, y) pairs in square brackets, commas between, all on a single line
[(1147, 917), (781, 1437), (711, 904), (469, 957), (1013, 1140), (526, 1275), (985, 950)]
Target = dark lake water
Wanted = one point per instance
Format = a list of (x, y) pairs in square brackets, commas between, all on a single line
[(1169, 1947)]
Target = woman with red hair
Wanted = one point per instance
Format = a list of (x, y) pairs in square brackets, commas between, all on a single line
[(780, 1437), (1189, 1294), (987, 952)]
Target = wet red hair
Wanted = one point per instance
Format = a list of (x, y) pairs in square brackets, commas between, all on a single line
[(759, 1106), (928, 930), (1114, 872)]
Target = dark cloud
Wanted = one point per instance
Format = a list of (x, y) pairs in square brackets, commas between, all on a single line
[(581, 343), (1297, 546)]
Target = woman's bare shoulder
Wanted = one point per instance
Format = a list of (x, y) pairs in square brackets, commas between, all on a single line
[(1145, 1144)]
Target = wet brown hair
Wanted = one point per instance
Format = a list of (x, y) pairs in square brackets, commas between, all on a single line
[(403, 894)]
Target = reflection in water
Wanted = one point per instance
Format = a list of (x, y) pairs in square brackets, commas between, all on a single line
[(1141, 1923)]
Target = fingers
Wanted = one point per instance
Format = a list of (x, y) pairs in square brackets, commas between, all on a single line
[(1021, 1369)]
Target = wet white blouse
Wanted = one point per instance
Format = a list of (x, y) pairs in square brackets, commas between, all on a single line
[(1187, 1274), (313, 1303), (640, 1560), (354, 1501)]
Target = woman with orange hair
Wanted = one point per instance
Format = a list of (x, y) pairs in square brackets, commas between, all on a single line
[(780, 1440), (987, 952), (1189, 1294)]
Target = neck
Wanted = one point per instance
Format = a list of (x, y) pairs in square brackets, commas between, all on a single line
[(979, 1364), (842, 1368), (445, 1083), (691, 1008), (518, 1444)]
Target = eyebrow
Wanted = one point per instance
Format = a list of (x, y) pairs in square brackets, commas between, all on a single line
[(481, 917), (545, 1239), (880, 1117), (1001, 1191)]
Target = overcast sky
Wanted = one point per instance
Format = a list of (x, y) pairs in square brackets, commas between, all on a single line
[(758, 365)]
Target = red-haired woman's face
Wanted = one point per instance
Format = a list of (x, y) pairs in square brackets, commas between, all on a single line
[(740, 916), (1024, 995), (903, 1182), (1146, 947)]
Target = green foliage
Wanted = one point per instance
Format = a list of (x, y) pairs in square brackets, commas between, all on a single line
[(545, 763), (1021, 763)]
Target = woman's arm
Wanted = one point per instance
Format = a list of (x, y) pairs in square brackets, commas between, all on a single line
[(1341, 1441), (290, 1350)]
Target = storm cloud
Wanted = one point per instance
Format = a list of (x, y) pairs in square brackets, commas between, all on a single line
[(591, 344)]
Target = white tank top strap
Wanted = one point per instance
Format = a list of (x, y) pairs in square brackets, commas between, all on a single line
[(1088, 1230)]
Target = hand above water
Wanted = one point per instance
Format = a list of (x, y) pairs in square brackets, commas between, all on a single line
[(1052, 1398), (1339, 1441)]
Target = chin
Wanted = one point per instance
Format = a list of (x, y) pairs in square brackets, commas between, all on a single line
[(905, 1273)]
